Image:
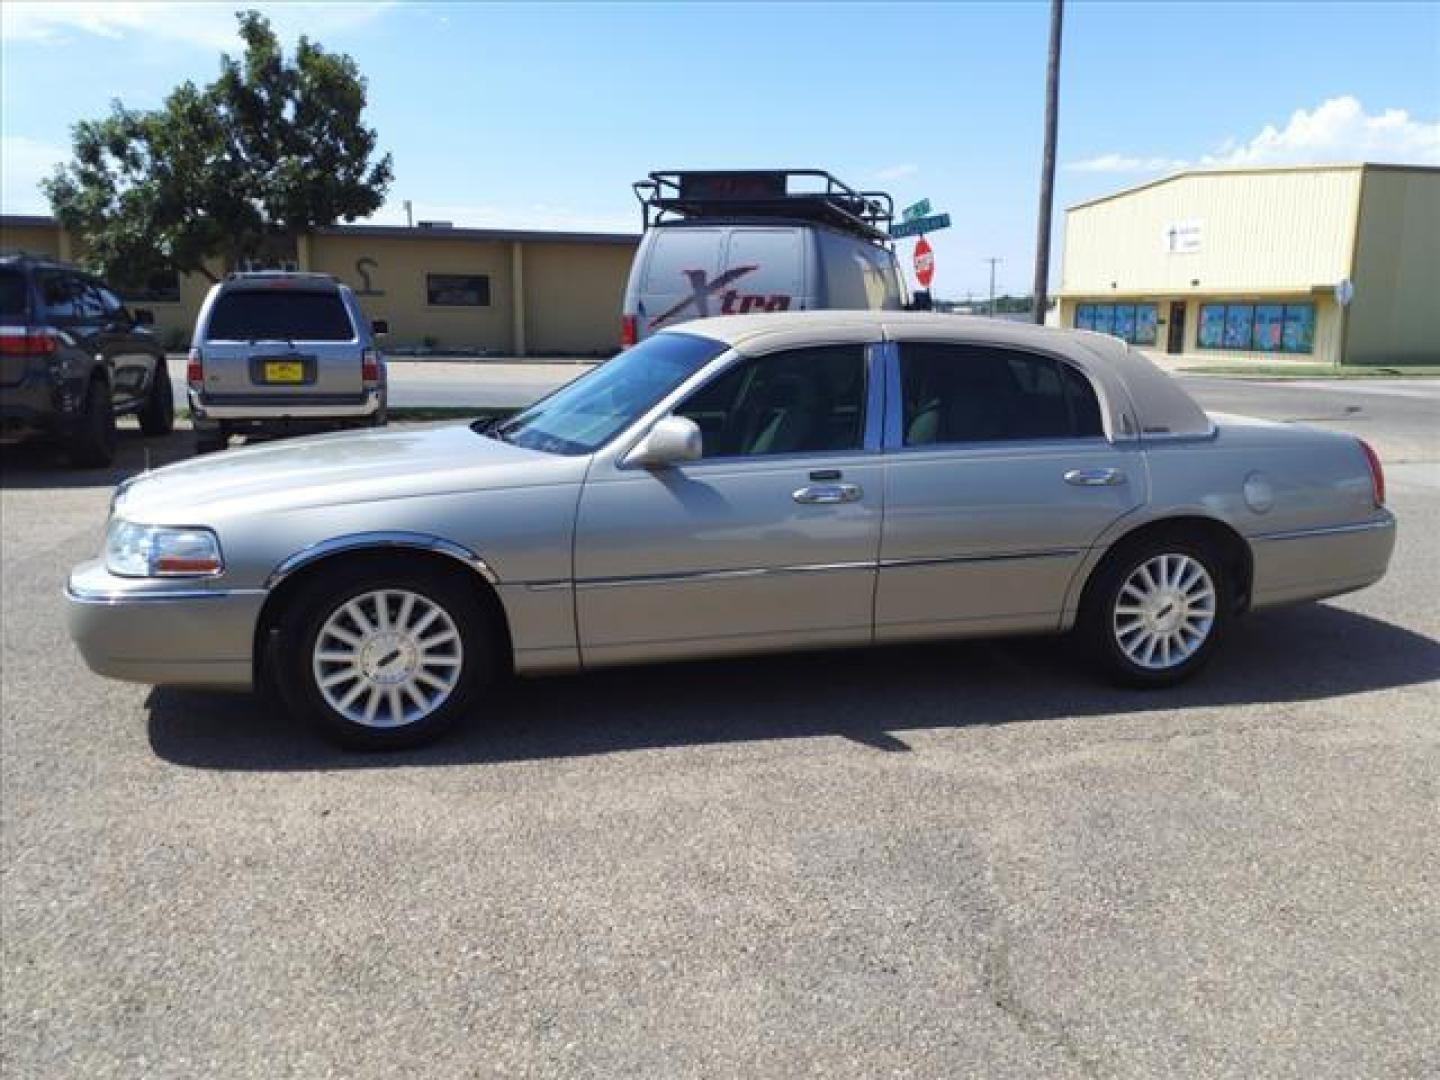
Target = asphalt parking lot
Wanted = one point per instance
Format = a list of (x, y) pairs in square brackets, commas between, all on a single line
[(957, 860)]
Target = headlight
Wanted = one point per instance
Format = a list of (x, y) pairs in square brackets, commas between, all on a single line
[(133, 550)]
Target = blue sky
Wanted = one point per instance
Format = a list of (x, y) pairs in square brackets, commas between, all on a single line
[(541, 116)]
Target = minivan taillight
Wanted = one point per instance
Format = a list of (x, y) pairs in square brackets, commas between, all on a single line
[(370, 367), (1377, 472), (629, 331), (18, 341), (195, 368)]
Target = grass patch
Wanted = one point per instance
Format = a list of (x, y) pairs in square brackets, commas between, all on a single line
[(447, 412), (425, 412), (1314, 371)]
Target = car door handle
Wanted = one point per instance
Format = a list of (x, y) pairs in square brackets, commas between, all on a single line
[(828, 493), (1095, 477)]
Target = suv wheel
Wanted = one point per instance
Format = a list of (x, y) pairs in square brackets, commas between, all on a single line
[(92, 445), (1156, 611), (210, 437), (157, 415), (383, 656)]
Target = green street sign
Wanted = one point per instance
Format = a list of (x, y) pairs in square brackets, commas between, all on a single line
[(920, 226), (916, 210)]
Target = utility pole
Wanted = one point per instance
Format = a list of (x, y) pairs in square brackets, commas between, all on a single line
[(1039, 296), (409, 215), (992, 261)]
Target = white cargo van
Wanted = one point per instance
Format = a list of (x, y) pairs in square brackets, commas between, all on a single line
[(726, 243)]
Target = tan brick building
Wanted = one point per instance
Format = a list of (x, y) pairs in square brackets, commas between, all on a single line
[(505, 291)]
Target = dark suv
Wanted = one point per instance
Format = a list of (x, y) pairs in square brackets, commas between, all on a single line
[(72, 358)]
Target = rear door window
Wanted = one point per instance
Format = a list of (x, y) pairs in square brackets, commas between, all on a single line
[(14, 296), (279, 315), (977, 393)]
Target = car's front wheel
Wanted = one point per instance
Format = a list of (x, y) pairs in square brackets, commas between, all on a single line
[(383, 656), (1157, 610)]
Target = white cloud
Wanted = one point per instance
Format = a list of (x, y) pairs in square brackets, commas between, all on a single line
[(209, 26), (24, 162), (1335, 130), (1119, 163), (1338, 130), (896, 172)]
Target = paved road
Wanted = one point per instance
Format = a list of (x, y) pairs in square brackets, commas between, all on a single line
[(964, 860)]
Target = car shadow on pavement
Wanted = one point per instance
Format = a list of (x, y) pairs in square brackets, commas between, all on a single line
[(42, 465), (871, 697)]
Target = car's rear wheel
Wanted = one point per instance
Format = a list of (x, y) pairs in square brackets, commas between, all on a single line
[(92, 445), (157, 415), (1157, 610), (383, 656)]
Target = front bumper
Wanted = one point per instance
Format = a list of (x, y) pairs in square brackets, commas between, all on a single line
[(163, 632), (344, 408)]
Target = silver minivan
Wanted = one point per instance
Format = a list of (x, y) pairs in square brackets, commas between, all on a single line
[(279, 352), (731, 243)]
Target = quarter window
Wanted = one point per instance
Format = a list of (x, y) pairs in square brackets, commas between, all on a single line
[(795, 402), (457, 290), (976, 393), (1134, 323)]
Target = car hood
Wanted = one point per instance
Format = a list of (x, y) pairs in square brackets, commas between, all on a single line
[(334, 469)]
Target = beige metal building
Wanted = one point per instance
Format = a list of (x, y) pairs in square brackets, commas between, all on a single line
[(511, 292), (1324, 263)]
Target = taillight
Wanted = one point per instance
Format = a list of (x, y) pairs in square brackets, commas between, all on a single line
[(629, 331), (1377, 472), (370, 367), (195, 368), (20, 342)]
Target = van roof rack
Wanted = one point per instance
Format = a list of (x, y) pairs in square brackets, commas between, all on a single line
[(810, 195)]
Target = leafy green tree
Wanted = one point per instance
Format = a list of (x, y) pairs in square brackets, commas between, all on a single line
[(272, 148)]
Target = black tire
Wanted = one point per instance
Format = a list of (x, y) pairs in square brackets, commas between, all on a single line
[(209, 439), (157, 415), (92, 445), (299, 631), (1104, 632)]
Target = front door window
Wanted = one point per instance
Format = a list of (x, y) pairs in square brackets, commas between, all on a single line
[(803, 401)]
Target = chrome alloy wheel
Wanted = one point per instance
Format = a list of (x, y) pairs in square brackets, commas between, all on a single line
[(1164, 612), (387, 658)]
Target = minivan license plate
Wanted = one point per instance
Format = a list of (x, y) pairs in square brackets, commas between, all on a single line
[(284, 371)]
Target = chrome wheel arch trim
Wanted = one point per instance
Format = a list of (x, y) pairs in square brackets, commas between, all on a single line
[(380, 541)]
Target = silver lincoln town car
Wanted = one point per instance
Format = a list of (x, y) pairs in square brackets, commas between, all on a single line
[(741, 484)]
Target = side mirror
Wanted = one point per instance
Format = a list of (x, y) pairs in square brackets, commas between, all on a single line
[(144, 317), (379, 327), (673, 440)]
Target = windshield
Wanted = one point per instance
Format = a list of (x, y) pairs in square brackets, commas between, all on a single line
[(582, 417)]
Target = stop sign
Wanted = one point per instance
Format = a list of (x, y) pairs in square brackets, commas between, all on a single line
[(924, 263)]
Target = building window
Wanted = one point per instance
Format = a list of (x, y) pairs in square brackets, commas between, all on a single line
[(161, 287), (457, 290), (1257, 327), (1134, 323)]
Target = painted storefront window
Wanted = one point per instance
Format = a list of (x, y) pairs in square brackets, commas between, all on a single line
[(1135, 323), (1258, 327)]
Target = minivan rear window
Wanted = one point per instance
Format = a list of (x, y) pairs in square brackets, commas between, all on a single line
[(12, 294), (279, 315)]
